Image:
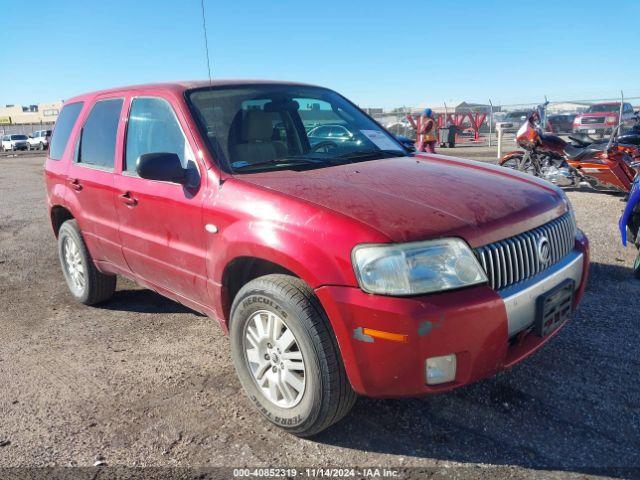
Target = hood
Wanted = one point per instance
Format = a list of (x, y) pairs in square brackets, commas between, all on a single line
[(416, 198)]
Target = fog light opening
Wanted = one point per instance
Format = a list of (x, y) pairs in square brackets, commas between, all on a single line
[(440, 369)]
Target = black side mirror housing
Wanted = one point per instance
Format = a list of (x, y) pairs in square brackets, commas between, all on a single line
[(161, 166)]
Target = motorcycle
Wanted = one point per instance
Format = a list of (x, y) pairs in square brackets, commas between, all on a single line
[(630, 220), (603, 166)]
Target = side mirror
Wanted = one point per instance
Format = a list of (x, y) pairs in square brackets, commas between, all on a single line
[(162, 166)]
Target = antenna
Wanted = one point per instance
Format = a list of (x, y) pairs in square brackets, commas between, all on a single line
[(615, 131), (206, 41)]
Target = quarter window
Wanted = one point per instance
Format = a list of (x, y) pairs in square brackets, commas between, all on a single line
[(153, 128), (98, 141), (64, 125)]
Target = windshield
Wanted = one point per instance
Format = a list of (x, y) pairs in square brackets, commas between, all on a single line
[(516, 116), (18, 137), (255, 128), (606, 107)]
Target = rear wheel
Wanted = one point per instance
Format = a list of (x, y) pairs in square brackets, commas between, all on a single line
[(286, 355), (86, 283)]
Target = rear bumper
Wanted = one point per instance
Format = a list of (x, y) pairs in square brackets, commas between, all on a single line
[(487, 330)]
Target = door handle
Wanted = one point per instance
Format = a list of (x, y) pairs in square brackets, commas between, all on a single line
[(128, 200), (75, 184)]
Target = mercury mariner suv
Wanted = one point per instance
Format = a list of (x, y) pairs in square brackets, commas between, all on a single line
[(338, 268)]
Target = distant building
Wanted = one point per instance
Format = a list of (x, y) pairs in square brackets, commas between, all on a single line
[(462, 107), (373, 111), (42, 113), (466, 107), (567, 107)]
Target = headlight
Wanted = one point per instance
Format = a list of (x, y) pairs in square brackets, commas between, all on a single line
[(414, 268)]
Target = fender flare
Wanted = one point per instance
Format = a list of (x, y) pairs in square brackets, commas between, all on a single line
[(510, 155)]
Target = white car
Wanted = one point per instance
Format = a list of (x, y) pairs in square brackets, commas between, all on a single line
[(39, 140), (512, 121), (15, 142)]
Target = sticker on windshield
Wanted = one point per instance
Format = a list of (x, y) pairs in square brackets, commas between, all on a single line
[(380, 140)]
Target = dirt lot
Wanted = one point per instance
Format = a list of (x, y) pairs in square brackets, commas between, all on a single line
[(143, 381)]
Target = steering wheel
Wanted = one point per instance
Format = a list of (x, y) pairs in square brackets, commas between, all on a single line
[(324, 144)]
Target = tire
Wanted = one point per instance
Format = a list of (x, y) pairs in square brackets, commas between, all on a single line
[(325, 395), (28, 146), (77, 264), (41, 146)]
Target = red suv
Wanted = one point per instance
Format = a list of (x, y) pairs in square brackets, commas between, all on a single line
[(339, 268), (601, 118)]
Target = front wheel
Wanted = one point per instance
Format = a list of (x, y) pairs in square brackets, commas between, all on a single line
[(287, 357), (521, 163)]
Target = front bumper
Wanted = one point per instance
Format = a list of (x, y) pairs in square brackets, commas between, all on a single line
[(487, 330), (594, 129)]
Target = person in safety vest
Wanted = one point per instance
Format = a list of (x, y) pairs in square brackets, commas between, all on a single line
[(426, 131)]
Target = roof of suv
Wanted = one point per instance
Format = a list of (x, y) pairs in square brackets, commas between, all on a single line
[(181, 86)]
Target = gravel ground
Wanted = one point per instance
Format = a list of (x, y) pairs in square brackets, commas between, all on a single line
[(143, 381)]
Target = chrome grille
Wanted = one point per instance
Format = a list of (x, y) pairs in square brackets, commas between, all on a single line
[(592, 120), (515, 259)]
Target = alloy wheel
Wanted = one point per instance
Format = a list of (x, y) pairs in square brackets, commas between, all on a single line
[(73, 264), (274, 359)]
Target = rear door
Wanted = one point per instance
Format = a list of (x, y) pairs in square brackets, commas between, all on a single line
[(161, 228), (90, 178)]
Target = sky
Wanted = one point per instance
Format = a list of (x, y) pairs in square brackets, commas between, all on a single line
[(377, 53)]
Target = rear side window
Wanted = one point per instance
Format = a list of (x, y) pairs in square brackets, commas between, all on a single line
[(98, 140), (64, 125), (153, 128)]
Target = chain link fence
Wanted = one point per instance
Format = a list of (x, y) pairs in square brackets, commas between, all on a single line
[(479, 124)]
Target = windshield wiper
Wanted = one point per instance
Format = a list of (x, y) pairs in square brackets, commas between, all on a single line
[(372, 154), (287, 161)]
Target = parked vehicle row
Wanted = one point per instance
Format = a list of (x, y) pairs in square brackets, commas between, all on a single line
[(601, 165), (340, 265), (39, 140)]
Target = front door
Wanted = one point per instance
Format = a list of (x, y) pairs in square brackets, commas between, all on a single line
[(161, 229)]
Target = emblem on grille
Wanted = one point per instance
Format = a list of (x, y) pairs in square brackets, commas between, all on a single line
[(544, 250)]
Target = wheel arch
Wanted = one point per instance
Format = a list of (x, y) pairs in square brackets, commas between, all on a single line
[(241, 270), (59, 214)]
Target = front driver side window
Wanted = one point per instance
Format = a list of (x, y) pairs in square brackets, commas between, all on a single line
[(154, 128)]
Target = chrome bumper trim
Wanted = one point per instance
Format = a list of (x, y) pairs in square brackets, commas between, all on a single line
[(520, 299)]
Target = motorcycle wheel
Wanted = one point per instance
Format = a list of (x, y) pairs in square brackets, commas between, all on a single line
[(521, 164)]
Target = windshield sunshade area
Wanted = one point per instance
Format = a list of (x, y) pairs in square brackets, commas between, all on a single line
[(264, 127)]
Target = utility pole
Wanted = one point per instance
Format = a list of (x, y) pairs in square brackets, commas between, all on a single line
[(490, 120)]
